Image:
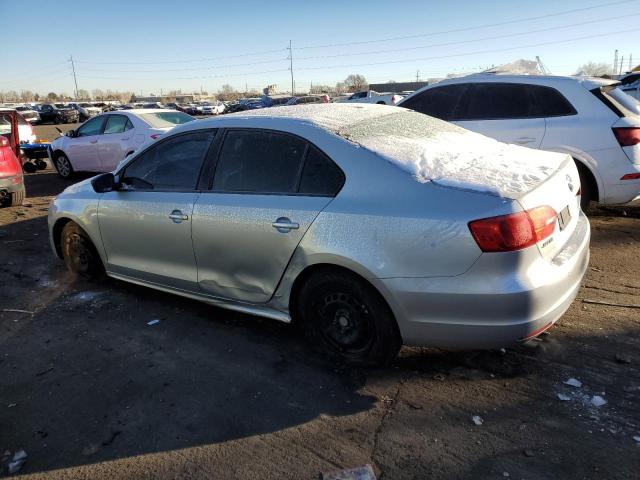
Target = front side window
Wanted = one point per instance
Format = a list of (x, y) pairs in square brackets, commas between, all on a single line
[(92, 127), (439, 102), (259, 161), (115, 124), (173, 164)]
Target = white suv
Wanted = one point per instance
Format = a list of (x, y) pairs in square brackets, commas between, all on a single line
[(587, 118)]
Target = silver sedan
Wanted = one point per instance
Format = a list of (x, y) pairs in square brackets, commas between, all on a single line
[(370, 226)]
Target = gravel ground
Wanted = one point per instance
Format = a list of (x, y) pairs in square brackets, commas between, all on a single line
[(89, 390)]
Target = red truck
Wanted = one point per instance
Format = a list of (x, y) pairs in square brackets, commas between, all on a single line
[(12, 190)]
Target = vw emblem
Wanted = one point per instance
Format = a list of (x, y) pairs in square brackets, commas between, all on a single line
[(569, 184)]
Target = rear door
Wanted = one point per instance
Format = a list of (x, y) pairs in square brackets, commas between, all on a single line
[(267, 189), (82, 149), (114, 142), (146, 228), (504, 111)]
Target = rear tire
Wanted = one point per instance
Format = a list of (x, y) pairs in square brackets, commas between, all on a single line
[(79, 253), (17, 198), (586, 187), (347, 319), (63, 166)]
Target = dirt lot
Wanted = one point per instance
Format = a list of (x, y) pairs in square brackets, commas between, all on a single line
[(89, 390)]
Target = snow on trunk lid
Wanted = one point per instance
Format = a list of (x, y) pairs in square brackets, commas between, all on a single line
[(559, 191), (439, 152)]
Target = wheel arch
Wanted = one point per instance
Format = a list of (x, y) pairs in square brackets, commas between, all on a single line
[(325, 266), (586, 171), (56, 236)]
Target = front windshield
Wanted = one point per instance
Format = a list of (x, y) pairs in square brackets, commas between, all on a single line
[(85, 105), (60, 105), (166, 119)]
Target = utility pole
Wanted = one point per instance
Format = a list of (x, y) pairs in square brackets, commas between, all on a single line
[(75, 80), (621, 64), (630, 62), (291, 68), (417, 76), (615, 62)]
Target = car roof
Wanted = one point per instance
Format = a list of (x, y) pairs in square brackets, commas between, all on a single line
[(332, 117), (550, 80)]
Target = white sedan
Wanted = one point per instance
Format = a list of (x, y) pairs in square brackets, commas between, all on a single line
[(102, 142)]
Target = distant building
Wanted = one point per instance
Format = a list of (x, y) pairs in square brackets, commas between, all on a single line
[(398, 87)]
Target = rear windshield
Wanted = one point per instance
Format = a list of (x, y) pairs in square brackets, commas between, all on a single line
[(627, 101), (166, 119)]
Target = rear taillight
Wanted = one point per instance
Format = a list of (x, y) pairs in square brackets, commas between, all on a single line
[(515, 231), (155, 135), (631, 176), (394, 99), (627, 136)]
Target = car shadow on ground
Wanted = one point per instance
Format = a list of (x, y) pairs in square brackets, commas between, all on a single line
[(47, 183), (91, 377)]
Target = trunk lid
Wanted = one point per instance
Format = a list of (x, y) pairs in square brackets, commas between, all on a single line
[(560, 192)]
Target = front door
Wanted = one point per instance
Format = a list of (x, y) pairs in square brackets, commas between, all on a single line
[(83, 148), (146, 225), (267, 190)]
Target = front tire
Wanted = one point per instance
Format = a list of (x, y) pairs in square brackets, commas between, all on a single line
[(79, 253), (63, 166), (347, 319)]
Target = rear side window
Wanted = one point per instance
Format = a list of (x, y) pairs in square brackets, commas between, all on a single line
[(116, 124), (440, 102), (173, 164), (259, 161), (320, 176), (549, 102), (494, 101)]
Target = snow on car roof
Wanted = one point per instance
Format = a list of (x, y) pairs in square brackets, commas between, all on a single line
[(428, 148), (439, 152)]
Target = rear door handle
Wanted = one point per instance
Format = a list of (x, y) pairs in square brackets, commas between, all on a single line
[(124, 138), (284, 225), (93, 141), (523, 140), (177, 216)]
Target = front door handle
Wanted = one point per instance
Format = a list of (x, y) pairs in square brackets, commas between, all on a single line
[(523, 140), (93, 141), (177, 216), (284, 225)]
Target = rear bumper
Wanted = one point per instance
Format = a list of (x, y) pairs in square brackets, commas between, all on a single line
[(12, 184), (500, 300)]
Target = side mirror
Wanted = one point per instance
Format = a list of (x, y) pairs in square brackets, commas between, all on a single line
[(70, 133), (104, 183)]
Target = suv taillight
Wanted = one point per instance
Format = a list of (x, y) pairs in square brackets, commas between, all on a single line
[(394, 99), (627, 136), (515, 231)]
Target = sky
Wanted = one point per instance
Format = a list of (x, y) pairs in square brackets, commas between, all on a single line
[(157, 46)]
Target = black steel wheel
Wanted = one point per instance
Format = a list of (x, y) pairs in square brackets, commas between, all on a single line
[(347, 319)]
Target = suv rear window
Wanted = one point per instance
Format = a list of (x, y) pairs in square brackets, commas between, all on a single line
[(617, 101)]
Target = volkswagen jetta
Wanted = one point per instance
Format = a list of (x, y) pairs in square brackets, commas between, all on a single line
[(370, 226)]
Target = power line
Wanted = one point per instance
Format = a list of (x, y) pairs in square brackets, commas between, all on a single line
[(465, 29), (185, 69), (473, 40), (195, 60), (477, 52)]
